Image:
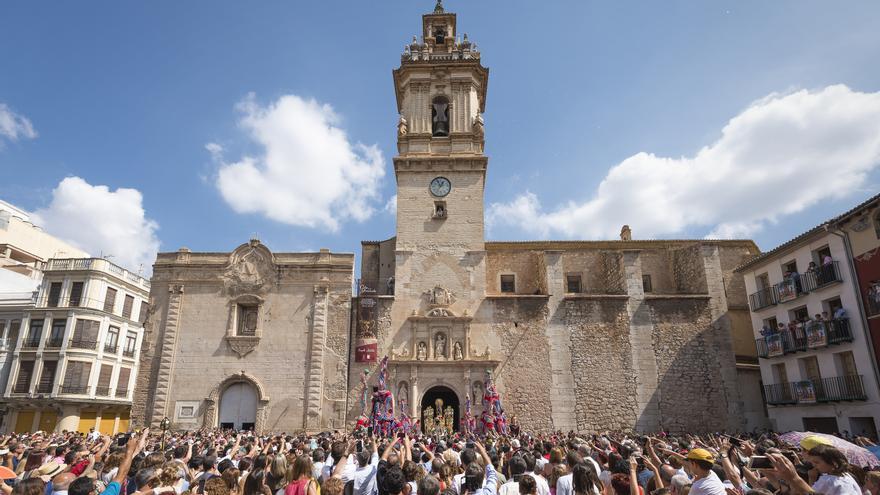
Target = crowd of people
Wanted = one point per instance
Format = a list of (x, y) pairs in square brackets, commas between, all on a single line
[(215, 462)]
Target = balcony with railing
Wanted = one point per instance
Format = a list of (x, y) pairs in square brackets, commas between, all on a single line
[(111, 349), (129, 353), (84, 344), (814, 391), (98, 264), (872, 302), (74, 389), (763, 298), (796, 286), (102, 391), (44, 388), (815, 335), (121, 394), (54, 343), (31, 343)]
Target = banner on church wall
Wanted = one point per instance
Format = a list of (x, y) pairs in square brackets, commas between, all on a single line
[(366, 352)]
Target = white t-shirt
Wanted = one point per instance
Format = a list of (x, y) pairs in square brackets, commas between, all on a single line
[(708, 485), (541, 485), (509, 488), (829, 484)]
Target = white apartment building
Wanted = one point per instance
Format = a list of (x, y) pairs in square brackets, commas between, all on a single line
[(74, 356), (817, 367)]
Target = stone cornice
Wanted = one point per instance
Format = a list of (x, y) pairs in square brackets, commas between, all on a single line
[(615, 245)]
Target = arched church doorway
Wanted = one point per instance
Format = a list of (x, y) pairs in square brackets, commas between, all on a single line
[(434, 420), (238, 407)]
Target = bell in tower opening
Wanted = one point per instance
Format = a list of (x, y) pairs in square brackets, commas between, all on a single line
[(440, 116)]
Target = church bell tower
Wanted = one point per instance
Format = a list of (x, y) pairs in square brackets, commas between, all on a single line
[(440, 167)]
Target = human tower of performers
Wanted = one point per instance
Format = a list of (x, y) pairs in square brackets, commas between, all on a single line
[(381, 421)]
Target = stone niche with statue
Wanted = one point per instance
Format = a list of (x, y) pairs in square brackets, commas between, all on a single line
[(438, 334)]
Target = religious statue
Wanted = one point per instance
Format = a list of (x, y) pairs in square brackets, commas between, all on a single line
[(401, 126), (448, 419), (478, 392), (422, 352), (479, 125), (428, 418), (456, 352), (440, 346), (402, 396)]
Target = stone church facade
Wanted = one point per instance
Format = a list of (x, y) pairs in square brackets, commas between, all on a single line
[(578, 335)]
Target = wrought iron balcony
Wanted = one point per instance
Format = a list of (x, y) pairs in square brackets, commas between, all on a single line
[(121, 394), (820, 277), (102, 391), (872, 302), (820, 390), (813, 336), (44, 388), (763, 298), (128, 353), (54, 343), (84, 344), (31, 343), (74, 389), (111, 348)]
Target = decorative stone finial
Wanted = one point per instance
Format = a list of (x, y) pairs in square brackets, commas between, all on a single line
[(438, 9), (626, 233)]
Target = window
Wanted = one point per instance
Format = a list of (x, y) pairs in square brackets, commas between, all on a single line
[(122, 382), (110, 300), (800, 314), (56, 337), (76, 290), (820, 254), (440, 116), (130, 343), (76, 378), (762, 281), (791, 267), (646, 284), (771, 323), (144, 311), (23, 380), (126, 306), (810, 368), (508, 284), (247, 319), (112, 340), (846, 363), (780, 374), (54, 294), (47, 377), (35, 334), (439, 210), (85, 334), (12, 336), (104, 380), (573, 284)]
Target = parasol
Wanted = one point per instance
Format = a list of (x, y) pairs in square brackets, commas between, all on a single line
[(857, 456)]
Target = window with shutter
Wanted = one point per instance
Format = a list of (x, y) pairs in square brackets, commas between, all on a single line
[(145, 309), (508, 284), (47, 377), (76, 291), (110, 300), (76, 377), (104, 380), (85, 334), (23, 380), (54, 294), (122, 382), (127, 306)]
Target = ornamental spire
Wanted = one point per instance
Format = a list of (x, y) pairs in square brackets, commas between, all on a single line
[(438, 9)]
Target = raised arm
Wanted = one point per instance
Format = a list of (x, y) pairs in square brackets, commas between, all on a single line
[(135, 445)]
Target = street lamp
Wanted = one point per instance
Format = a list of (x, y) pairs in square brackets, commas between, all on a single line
[(164, 424)]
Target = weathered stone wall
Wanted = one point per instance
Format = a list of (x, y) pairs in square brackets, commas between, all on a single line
[(692, 397), (526, 265), (734, 283), (524, 373), (383, 337), (336, 359), (688, 271), (601, 364), (151, 348), (658, 264)]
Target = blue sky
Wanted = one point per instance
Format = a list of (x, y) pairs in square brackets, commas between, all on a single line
[(128, 95)]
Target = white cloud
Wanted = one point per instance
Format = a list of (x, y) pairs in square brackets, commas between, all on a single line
[(782, 154), (99, 220), (308, 173), (14, 126), (391, 205)]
